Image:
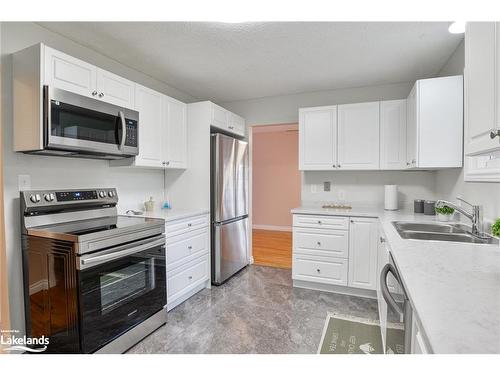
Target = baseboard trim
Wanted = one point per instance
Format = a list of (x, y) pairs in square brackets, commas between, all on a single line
[(366, 293), (278, 228)]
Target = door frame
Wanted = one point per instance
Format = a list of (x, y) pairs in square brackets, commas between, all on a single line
[(250, 129)]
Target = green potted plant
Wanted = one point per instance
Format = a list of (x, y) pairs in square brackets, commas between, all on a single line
[(444, 213), (495, 228)]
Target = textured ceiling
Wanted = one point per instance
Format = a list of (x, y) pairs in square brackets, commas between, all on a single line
[(227, 62)]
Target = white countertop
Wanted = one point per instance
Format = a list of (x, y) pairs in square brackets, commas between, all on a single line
[(454, 287), (167, 214)]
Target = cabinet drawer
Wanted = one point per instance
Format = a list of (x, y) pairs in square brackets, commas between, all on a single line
[(319, 221), (321, 242), (186, 246), (181, 226), (195, 272), (327, 270)]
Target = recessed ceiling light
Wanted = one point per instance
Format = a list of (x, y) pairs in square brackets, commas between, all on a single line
[(457, 27)]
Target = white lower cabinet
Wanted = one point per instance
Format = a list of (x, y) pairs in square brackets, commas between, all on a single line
[(363, 253), (418, 345), (187, 258), (335, 250)]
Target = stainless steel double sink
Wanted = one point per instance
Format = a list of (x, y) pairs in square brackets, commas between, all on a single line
[(440, 232)]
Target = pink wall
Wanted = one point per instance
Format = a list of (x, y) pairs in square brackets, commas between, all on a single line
[(276, 178)]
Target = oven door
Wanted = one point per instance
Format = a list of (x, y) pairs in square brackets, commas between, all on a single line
[(397, 314), (120, 288), (76, 123)]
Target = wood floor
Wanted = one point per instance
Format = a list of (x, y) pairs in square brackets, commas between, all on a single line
[(272, 248)]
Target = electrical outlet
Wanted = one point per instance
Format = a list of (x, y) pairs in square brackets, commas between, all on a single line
[(24, 182), (342, 196), (327, 186)]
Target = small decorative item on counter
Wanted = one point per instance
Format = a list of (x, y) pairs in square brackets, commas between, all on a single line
[(495, 228), (391, 197), (418, 206), (429, 207), (149, 205), (337, 206), (445, 213)]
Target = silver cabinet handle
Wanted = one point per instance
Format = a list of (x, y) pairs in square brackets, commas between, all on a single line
[(189, 224), (190, 277), (495, 133), (94, 93), (167, 163), (382, 239), (319, 222), (319, 243), (101, 94), (352, 221), (190, 247), (334, 166), (338, 166), (318, 270)]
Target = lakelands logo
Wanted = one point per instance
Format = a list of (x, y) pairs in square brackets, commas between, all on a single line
[(12, 343)]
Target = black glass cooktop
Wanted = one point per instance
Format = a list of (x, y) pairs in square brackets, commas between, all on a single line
[(101, 225)]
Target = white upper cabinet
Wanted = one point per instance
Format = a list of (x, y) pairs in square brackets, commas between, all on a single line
[(393, 134), (482, 69), (318, 138), (358, 136), (435, 123), (150, 105), (69, 73), (223, 119), (175, 134), (115, 89), (363, 253), (411, 128)]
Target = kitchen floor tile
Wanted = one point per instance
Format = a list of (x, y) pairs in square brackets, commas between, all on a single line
[(257, 311)]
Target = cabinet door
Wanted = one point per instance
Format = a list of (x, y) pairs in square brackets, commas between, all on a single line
[(176, 133), (393, 134), (237, 124), (220, 117), (318, 138), (363, 253), (151, 127), (411, 128), (358, 136), (480, 67), (68, 73), (115, 89)]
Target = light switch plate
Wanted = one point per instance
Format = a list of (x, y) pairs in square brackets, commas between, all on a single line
[(313, 188), (24, 182), (327, 186)]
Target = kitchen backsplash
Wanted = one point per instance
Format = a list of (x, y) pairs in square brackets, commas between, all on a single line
[(367, 188)]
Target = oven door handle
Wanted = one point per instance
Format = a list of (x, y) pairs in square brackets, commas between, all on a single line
[(100, 259), (385, 289), (124, 129)]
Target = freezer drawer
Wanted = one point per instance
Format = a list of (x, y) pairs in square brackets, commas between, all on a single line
[(229, 249)]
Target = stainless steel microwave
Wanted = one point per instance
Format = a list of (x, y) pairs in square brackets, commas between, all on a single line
[(77, 126)]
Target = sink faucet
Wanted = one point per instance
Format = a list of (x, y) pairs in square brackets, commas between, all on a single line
[(475, 216)]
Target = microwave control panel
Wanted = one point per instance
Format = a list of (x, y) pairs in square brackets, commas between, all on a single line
[(131, 138)]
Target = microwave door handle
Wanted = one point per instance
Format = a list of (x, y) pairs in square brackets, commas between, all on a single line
[(385, 289), (124, 129), (100, 259)]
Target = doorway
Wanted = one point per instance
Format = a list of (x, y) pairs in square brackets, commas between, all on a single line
[(276, 185)]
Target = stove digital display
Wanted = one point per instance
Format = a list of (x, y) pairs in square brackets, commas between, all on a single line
[(66, 196)]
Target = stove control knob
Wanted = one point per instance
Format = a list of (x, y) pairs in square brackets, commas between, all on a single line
[(49, 197), (102, 194), (35, 198), (111, 194)]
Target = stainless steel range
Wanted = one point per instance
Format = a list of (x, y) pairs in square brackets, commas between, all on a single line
[(94, 281)]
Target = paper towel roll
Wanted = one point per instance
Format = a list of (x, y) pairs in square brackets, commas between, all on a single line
[(391, 197)]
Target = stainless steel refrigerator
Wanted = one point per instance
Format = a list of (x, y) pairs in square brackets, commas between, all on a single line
[(229, 206)]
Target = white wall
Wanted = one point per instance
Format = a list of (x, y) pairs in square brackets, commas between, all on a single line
[(366, 188), (285, 109), (134, 185), (450, 183)]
